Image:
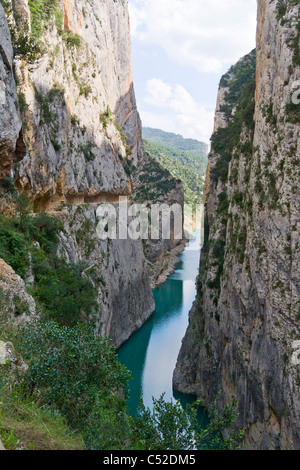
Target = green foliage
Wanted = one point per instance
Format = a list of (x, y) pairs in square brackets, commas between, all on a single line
[(105, 118), (127, 164), (240, 96), (63, 291), (7, 185), (281, 8), (293, 113), (109, 426), (190, 168), (85, 89), (169, 426), (66, 295), (24, 44), (75, 379), (22, 102), (25, 420), (152, 181), (75, 121), (13, 247), (41, 12), (7, 7), (72, 40), (175, 142), (74, 369), (241, 72), (86, 149), (47, 116)]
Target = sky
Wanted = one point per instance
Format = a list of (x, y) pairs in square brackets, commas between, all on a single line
[(180, 50)]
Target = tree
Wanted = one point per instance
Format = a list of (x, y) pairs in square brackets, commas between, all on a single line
[(170, 427)]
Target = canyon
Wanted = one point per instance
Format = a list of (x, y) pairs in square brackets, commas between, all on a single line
[(71, 138)]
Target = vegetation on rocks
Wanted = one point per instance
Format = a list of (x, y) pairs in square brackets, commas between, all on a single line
[(30, 242), (152, 181), (72, 397)]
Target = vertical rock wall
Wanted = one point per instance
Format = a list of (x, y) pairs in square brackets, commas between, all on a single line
[(72, 61), (11, 142), (245, 321)]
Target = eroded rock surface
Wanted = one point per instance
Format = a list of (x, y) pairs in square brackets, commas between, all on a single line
[(16, 304), (245, 321), (12, 148)]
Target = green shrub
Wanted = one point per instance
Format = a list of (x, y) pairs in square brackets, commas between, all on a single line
[(41, 12), (169, 426), (293, 113), (13, 248), (61, 289), (241, 95), (85, 90), (105, 118), (22, 102), (86, 149), (7, 184), (27, 422), (73, 368), (65, 294), (72, 40)]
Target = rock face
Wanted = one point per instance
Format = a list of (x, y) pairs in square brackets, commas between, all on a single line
[(8, 357), (124, 293), (83, 134), (245, 323), (79, 104), (16, 304), (12, 148)]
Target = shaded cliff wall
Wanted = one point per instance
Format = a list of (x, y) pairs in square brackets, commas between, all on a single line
[(154, 184), (245, 320)]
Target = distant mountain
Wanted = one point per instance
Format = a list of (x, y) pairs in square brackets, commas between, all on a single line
[(174, 141), (185, 159)]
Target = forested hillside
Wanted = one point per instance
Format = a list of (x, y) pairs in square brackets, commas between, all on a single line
[(186, 159)]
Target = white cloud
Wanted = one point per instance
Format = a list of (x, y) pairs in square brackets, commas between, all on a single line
[(158, 92), (205, 34), (176, 111)]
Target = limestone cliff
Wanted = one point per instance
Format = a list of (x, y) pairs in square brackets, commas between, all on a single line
[(245, 321), (78, 102), (124, 295), (72, 63), (16, 304), (12, 148)]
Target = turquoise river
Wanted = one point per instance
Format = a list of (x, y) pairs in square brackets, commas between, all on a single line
[(151, 353)]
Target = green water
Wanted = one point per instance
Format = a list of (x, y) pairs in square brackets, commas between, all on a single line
[(151, 353)]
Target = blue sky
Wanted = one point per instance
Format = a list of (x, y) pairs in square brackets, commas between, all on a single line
[(180, 49)]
